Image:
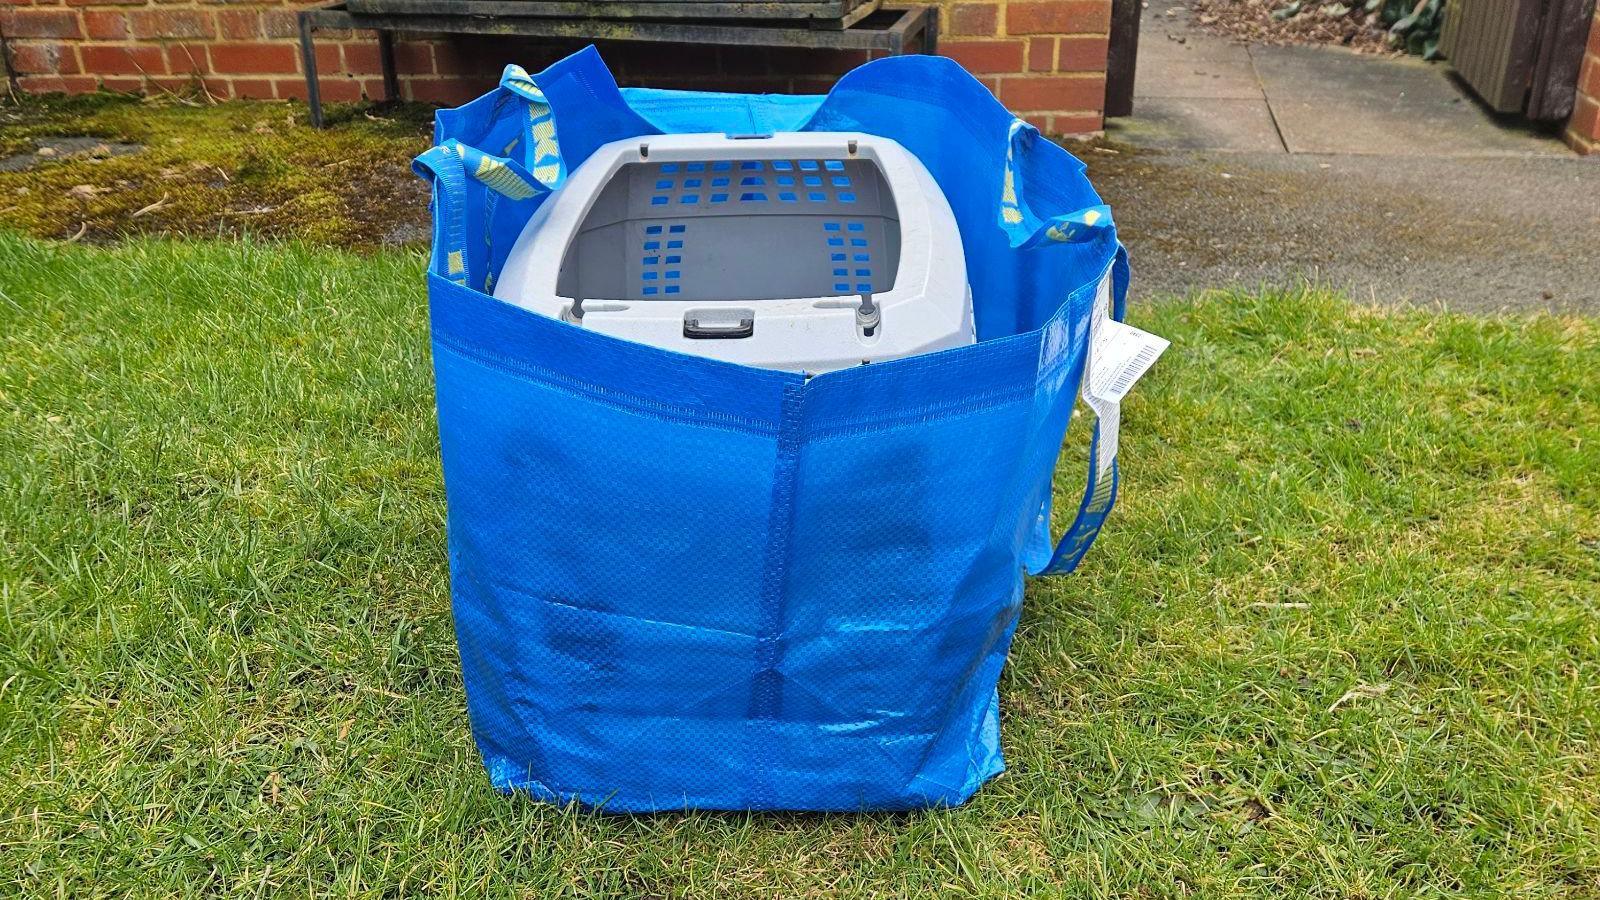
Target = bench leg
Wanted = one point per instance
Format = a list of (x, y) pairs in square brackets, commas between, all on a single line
[(391, 82), (308, 58)]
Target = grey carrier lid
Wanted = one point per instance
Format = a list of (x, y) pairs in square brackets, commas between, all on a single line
[(797, 251)]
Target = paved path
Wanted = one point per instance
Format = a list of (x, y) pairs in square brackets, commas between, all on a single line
[(1252, 164)]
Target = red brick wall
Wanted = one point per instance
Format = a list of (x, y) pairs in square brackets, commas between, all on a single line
[(1045, 59), (1583, 130)]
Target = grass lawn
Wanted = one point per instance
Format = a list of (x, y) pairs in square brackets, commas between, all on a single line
[(1340, 637)]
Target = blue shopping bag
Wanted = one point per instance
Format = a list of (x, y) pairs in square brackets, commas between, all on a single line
[(681, 583)]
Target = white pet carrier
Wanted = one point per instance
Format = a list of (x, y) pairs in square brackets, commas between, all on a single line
[(795, 251)]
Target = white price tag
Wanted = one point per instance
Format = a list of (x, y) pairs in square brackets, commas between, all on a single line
[(1119, 355)]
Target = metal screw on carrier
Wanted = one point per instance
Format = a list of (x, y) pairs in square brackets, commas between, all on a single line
[(868, 316)]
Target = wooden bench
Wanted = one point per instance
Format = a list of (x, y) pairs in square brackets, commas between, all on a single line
[(818, 24)]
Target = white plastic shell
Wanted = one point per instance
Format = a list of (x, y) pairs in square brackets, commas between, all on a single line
[(755, 250)]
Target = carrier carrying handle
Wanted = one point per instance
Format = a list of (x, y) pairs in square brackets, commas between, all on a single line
[(721, 324)]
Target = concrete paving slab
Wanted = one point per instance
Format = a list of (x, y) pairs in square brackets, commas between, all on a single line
[(1167, 68), (1333, 101), (1480, 234), (1400, 189), (1176, 123), (1174, 61)]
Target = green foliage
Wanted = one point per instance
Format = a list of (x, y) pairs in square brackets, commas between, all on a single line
[(1411, 25), (1340, 638)]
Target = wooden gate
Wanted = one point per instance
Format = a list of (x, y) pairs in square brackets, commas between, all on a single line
[(1520, 56)]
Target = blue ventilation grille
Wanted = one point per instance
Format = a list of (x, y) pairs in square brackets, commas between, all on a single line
[(851, 258), (833, 236), (655, 268), (852, 271), (670, 188)]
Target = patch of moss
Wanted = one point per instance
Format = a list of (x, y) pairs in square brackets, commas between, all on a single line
[(217, 168)]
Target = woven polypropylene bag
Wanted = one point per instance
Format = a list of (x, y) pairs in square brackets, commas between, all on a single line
[(681, 583)]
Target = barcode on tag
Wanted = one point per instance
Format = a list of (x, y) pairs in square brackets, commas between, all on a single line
[(1122, 355)]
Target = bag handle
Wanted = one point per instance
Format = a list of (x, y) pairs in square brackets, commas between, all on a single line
[(448, 166), (542, 149), (534, 164), (1107, 358), (1025, 230), (1117, 355)]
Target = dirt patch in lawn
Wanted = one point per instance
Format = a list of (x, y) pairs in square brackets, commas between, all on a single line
[(103, 167)]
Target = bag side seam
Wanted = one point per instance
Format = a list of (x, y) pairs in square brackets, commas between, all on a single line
[(765, 688)]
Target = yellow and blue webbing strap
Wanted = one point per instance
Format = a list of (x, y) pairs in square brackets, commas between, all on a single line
[(1118, 354), (539, 128), (1026, 231), (1101, 492), (449, 165)]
